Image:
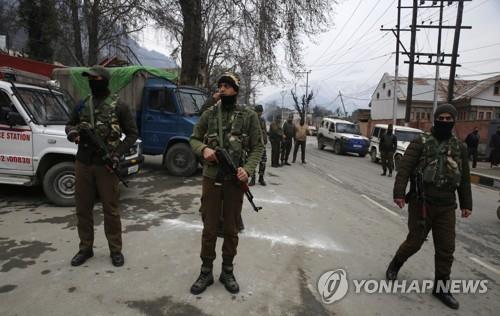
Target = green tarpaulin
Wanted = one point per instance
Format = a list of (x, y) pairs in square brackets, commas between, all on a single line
[(120, 77)]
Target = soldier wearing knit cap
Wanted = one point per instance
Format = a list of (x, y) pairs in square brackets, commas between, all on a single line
[(437, 167)]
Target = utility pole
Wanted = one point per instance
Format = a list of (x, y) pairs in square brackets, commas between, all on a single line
[(342, 101), (438, 57), (396, 33), (409, 92), (458, 27)]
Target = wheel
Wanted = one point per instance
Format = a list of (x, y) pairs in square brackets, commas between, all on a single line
[(337, 148), (498, 212), (321, 146), (362, 155), (373, 155), (180, 160), (59, 184), (397, 160)]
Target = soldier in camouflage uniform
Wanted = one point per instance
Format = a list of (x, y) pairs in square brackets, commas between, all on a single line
[(108, 118), (237, 129), (276, 138), (262, 164), (437, 166)]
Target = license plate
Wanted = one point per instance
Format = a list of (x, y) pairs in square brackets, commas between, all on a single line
[(357, 146), (133, 169)]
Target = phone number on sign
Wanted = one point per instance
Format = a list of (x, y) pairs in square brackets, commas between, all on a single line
[(15, 159)]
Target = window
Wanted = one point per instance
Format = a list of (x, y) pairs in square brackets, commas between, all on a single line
[(389, 92), (383, 85), (5, 107), (378, 95), (156, 98), (332, 128), (418, 116), (376, 131), (488, 115), (480, 116), (496, 89), (428, 116)]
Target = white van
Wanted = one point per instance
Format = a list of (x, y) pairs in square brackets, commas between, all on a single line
[(404, 135), (33, 145)]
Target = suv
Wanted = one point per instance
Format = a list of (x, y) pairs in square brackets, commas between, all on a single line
[(404, 135), (343, 136), (33, 145)]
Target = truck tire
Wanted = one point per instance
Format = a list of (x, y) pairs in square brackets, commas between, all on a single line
[(397, 160), (373, 155), (59, 184), (498, 212), (337, 148), (180, 160), (321, 146)]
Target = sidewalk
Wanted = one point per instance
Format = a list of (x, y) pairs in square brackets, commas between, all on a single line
[(485, 175)]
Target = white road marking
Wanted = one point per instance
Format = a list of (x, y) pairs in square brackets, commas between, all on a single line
[(380, 206), (336, 179), (274, 239), (485, 265)]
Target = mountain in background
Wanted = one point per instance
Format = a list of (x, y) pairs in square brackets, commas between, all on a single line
[(151, 57)]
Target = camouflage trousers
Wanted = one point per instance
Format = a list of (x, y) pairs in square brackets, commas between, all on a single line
[(262, 164), (441, 220), (93, 180)]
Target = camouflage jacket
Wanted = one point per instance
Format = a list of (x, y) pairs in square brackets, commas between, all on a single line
[(108, 119), (242, 137), (419, 155)]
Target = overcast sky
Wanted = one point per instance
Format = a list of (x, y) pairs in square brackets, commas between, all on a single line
[(354, 54)]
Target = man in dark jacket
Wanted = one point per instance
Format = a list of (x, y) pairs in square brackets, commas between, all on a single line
[(289, 134), (387, 147), (495, 148), (276, 138), (472, 142), (104, 116), (437, 166)]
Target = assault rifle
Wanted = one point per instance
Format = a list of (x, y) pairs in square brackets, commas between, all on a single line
[(229, 168), (106, 156)]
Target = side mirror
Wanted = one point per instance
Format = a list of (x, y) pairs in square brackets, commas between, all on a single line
[(14, 118)]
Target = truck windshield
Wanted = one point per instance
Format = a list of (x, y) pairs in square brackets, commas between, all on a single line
[(191, 102), (406, 136), (45, 107), (347, 128)]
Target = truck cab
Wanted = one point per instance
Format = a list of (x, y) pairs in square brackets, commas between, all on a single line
[(33, 145)]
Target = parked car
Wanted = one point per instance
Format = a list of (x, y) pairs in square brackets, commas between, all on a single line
[(313, 131), (404, 135), (33, 145), (342, 136)]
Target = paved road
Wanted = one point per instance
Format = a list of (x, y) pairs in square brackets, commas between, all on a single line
[(334, 212)]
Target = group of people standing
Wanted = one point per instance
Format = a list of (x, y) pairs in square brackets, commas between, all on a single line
[(282, 138)]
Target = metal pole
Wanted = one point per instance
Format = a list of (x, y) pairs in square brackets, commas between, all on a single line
[(438, 55), (451, 81), (409, 93), (396, 69)]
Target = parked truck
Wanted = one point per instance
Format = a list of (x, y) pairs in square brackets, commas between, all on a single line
[(33, 145), (165, 113)]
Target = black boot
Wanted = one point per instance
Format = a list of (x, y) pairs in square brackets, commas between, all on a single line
[(390, 174), (227, 278), (443, 294), (252, 181), (393, 269), (261, 180), (205, 279), (81, 257)]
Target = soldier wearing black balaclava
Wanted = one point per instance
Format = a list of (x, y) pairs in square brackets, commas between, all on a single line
[(387, 147), (436, 165), (103, 114)]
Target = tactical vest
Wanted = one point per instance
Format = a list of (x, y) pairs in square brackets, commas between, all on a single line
[(103, 120), (441, 163), (234, 138)]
